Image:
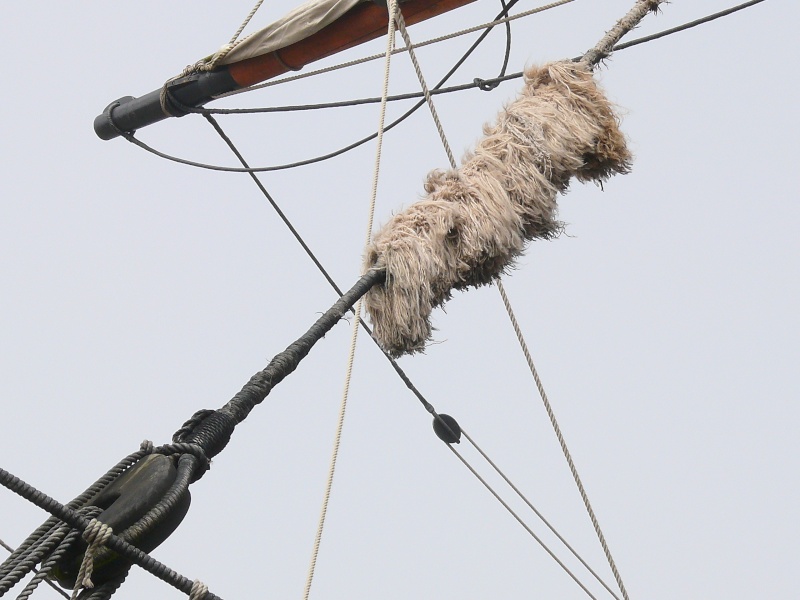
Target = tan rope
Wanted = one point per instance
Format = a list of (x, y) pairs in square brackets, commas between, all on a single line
[(357, 310), (198, 591), (560, 437), (226, 49), (96, 534), (372, 57), (401, 25)]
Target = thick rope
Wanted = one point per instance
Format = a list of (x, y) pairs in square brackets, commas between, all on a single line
[(199, 589), (96, 534), (47, 566), (357, 311), (77, 521)]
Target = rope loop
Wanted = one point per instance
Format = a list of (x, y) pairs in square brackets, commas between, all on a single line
[(188, 448), (96, 535), (485, 86)]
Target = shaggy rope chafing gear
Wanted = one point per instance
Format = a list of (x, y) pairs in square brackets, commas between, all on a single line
[(474, 221)]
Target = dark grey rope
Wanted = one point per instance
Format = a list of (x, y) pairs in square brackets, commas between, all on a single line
[(80, 523), (128, 136)]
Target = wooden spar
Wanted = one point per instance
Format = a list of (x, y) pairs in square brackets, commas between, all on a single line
[(364, 22)]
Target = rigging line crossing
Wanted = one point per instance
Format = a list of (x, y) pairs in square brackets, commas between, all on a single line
[(436, 90), (592, 57), (428, 407), (498, 21), (47, 581), (538, 514), (440, 129), (131, 138), (562, 442), (521, 522), (318, 264), (357, 311), (465, 86), (79, 522), (394, 364)]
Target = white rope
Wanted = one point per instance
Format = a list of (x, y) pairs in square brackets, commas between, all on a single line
[(365, 59), (401, 25), (357, 310), (226, 49), (561, 440), (96, 534), (198, 591)]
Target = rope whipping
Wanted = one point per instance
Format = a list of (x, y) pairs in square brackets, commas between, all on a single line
[(427, 405), (697, 22), (356, 322)]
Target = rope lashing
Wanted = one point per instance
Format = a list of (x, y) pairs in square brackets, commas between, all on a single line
[(199, 590)]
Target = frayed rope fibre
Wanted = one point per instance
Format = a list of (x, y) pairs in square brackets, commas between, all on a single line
[(475, 221)]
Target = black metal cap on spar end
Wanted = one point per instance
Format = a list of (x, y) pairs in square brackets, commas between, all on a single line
[(193, 91), (104, 126)]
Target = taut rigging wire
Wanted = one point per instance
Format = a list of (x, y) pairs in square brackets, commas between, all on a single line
[(403, 117), (427, 405), (437, 89)]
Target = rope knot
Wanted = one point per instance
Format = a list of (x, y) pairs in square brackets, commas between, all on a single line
[(96, 535), (485, 86)]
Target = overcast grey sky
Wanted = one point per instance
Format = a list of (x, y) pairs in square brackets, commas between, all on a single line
[(664, 323)]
